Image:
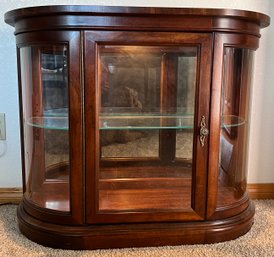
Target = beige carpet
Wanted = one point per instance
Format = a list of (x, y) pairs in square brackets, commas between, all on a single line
[(258, 242)]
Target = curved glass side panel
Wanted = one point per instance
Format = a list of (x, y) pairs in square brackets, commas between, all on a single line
[(237, 71), (45, 121)]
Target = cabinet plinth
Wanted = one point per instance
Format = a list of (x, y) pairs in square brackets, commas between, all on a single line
[(134, 124)]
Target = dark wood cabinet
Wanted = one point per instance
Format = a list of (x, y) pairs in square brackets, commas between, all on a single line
[(134, 124)]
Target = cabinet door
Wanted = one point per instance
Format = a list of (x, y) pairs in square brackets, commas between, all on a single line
[(146, 101), (51, 126)]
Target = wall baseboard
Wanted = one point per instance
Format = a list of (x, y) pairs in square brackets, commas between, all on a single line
[(256, 191), (10, 195), (261, 190)]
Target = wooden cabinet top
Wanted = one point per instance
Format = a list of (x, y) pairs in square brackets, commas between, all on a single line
[(136, 18)]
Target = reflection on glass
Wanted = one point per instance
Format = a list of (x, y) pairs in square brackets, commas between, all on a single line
[(130, 87), (146, 127), (234, 132), (45, 114)]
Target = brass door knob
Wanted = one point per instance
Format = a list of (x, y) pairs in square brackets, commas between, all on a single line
[(204, 132)]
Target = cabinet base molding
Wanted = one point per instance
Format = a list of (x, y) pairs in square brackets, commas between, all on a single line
[(134, 235), (11, 195), (261, 190)]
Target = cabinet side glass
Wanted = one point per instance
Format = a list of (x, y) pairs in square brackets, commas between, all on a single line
[(237, 73), (45, 123)]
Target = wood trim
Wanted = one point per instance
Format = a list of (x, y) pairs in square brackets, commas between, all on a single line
[(11, 195), (105, 236), (261, 191), (144, 19)]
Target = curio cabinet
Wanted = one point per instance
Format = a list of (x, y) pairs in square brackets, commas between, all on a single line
[(134, 124)]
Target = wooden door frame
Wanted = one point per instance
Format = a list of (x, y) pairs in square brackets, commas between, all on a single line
[(92, 39)]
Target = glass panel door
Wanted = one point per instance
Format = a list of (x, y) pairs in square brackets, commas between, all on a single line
[(147, 96)]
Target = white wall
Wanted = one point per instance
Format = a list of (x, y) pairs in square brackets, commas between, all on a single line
[(261, 155), (261, 149)]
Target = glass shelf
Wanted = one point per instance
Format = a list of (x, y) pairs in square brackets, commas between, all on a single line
[(49, 122), (56, 119), (146, 122), (229, 121), (132, 122)]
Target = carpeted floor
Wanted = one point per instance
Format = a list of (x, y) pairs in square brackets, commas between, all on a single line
[(258, 242)]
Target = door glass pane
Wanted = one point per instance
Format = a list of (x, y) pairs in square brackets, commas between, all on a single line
[(130, 85), (146, 127), (237, 72), (45, 115)]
